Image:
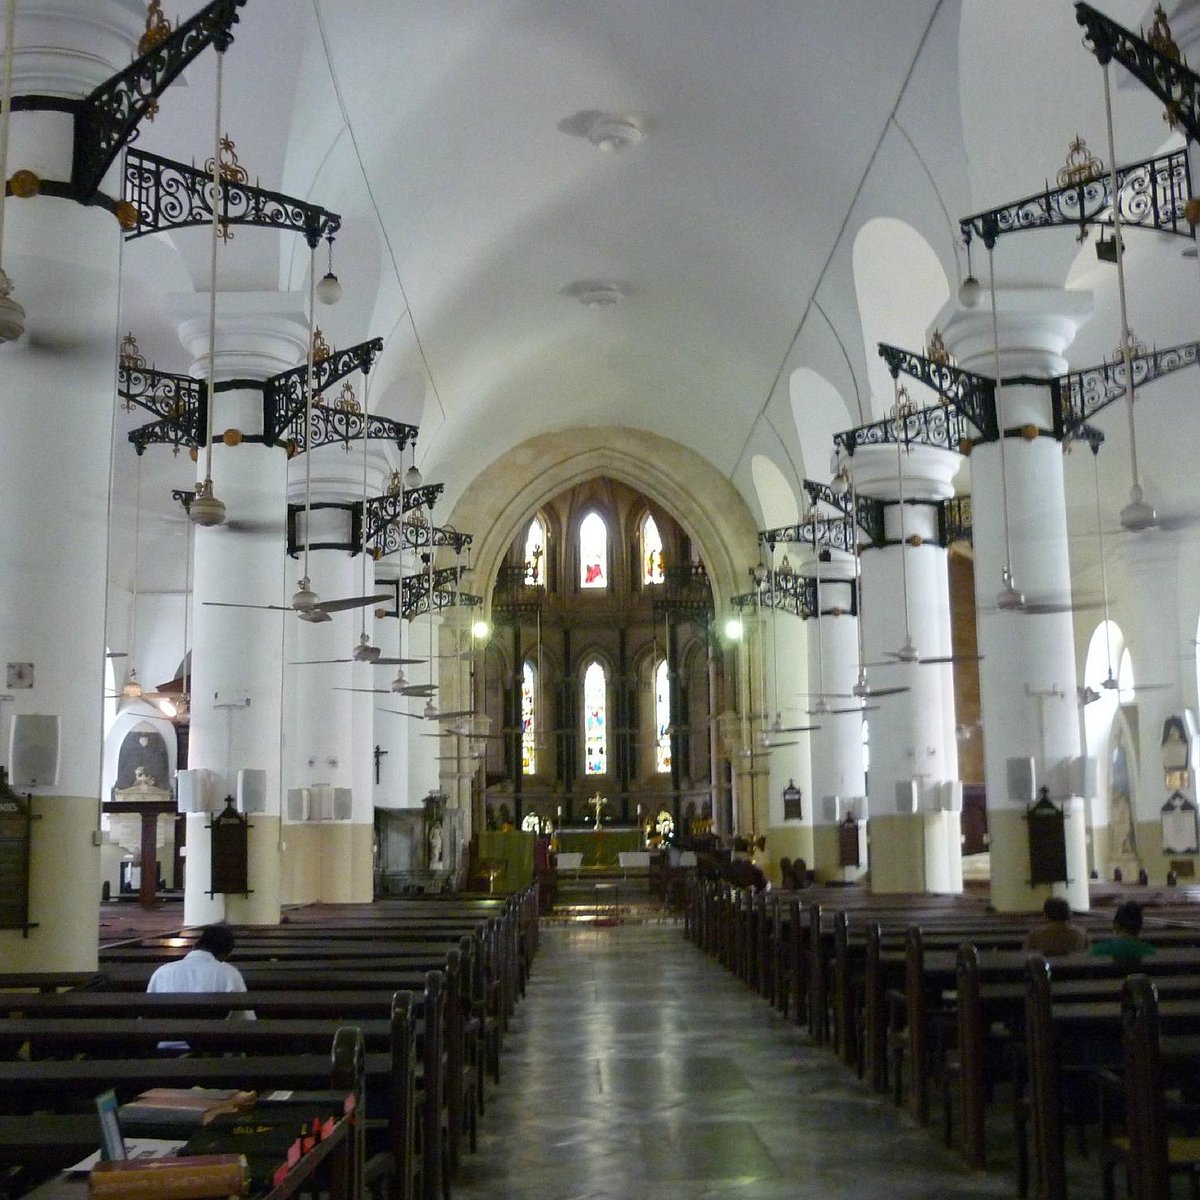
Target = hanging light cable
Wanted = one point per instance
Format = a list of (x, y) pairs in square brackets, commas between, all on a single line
[(1110, 681), (1009, 598), (205, 508), (1137, 514), (907, 652), (131, 689), (305, 597), (12, 315)]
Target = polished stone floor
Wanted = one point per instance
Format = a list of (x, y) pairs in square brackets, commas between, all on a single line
[(637, 1067)]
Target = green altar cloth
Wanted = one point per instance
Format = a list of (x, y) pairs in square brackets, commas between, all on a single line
[(599, 849), (512, 851)]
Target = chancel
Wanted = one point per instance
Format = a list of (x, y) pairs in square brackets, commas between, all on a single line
[(672, 465)]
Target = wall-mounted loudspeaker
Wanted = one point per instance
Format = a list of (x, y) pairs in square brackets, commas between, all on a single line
[(908, 796), (193, 790), (33, 750), (251, 791), (341, 804), (297, 804), (1022, 780), (952, 796)]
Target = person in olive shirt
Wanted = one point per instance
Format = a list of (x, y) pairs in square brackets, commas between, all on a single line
[(1124, 942), (1057, 934)]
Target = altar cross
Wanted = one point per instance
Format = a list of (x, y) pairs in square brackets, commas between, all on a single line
[(597, 804)]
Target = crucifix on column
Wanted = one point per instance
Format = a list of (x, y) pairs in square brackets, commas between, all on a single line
[(379, 753), (597, 804)]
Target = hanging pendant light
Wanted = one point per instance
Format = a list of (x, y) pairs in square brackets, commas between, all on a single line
[(969, 290), (329, 289)]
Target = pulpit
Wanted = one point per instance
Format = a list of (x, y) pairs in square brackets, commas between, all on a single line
[(147, 801)]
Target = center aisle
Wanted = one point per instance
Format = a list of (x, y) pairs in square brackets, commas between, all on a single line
[(636, 1067)]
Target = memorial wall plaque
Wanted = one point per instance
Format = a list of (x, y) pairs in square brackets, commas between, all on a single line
[(791, 802)]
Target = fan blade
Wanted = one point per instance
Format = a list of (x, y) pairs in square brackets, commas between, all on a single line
[(397, 662), (332, 606), (398, 712), (941, 659), (262, 607), (318, 662), (795, 729), (368, 691), (453, 716), (875, 693), (424, 690), (862, 708), (116, 654)]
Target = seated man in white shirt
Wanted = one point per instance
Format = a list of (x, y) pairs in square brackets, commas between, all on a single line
[(204, 969)]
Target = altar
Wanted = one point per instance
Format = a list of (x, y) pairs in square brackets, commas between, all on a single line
[(599, 847)]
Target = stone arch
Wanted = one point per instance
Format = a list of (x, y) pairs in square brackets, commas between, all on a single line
[(900, 285), (507, 492)]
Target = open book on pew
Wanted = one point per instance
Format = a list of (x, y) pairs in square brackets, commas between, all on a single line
[(184, 1107)]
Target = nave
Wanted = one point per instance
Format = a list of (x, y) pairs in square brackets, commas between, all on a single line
[(637, 1067)]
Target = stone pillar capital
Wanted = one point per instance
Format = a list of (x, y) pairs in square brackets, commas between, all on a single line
[(1036, 325), (336, 476), (70, 47), (258, 334), (928, 472)]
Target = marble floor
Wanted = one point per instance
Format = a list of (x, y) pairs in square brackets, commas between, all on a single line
[(637, 1067)]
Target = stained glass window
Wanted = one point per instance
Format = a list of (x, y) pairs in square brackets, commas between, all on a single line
[(595, 720), (662, 718), (535, 554), (593, 552), (652, 552), (528, 720)]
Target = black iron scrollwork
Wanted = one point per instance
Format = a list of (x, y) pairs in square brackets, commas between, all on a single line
[(184, 497), (415, 593), (833, 533), (406, 535), (172, 195), (179, 400), (162, 433), (284, 394), (381, 511), (954, 520), (1151, 194), (939, 426), (109, 117), (329, 425), (967, 394), (1176, 85), (1080, 395), (686, 593)]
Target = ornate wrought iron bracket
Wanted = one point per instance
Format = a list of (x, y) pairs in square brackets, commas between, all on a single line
[(162, 433), (329, 425), (795, 594), (414, 594), (833, 533), (1151, 194), (967, 394), (172, 195), (184, 497), (108, 119), (381, 511), (179, 400), (406, 535), (1080, 395), (284, 394), (685, 594), (1176, 85), (954, 520)]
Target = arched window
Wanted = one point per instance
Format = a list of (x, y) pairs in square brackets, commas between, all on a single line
[(529, 720), (652, 551), (593, 552), (535, 554), (595, 720), (662, 718)]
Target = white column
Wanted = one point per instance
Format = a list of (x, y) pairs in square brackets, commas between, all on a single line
[(328, 858), (839, 783), (56, 401), (1027, 676), (238, 653), (392, 732), (915, 839)]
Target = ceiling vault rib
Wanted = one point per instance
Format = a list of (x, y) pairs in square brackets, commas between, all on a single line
[(383, 231), (837, 241)]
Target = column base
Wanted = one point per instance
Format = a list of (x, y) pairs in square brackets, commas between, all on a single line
[(64, 890), (921, 852), (328, 863), (827, 853), (1011, 891), (199, 908)]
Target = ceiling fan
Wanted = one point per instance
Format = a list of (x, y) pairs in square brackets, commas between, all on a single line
[(306, 604), (399, 686), (430, 713), (363, 652)]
